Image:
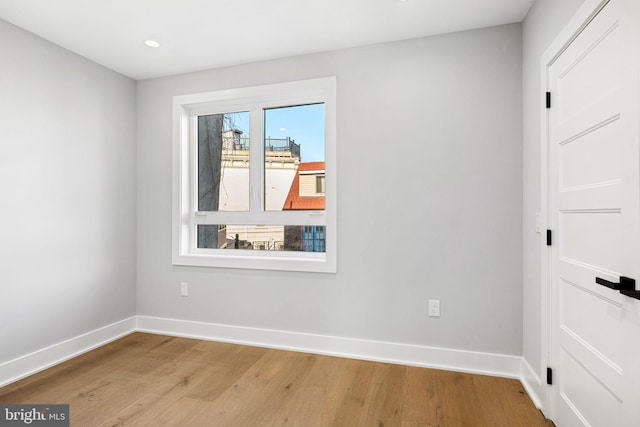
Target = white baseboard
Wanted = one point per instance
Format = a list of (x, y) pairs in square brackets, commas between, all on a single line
[(532, 383), (379, 351), (404, 354), (29, 364)]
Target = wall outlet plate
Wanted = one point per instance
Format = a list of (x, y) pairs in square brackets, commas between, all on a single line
[(434, 308)]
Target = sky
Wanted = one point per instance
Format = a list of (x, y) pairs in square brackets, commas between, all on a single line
[(304, 124)]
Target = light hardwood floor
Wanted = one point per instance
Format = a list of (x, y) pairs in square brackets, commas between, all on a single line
[(155, 380)]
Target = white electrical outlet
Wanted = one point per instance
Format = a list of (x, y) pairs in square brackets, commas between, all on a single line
[(538, 222), (434, 308), (184, 289)]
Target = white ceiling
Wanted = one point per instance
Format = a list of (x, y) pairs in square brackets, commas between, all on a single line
[(201, 34)]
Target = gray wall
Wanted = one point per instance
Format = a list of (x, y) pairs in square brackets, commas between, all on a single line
[(544, 21), (429, 153), (67, 186)]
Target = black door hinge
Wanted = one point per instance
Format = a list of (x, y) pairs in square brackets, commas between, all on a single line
[(548, 237), (548, 99), (549, 376)]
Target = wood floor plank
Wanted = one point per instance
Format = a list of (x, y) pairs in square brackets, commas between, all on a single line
[(384, 399), (153, 380), (422, 401), (334, 377), (94, 363), (267, 398), (180, 413), (187, 378), (497, 393), (351, 393)]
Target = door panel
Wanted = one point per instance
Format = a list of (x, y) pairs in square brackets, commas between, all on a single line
[(600, 329), (591, 159), (589, 236), (595, 211), (596, 66), (582, 275), (582, 390)]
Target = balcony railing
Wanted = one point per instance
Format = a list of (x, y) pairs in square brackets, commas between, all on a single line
[(282, 145), (277, 145)]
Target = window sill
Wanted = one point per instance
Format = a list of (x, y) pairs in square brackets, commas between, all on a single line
[(259, 260)]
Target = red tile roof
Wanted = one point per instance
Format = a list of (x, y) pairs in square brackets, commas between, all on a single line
[(294, 201), (311, 166)]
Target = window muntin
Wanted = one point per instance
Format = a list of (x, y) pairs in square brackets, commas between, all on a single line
[(191, 222)]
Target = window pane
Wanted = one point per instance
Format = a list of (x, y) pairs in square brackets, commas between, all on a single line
[(294, 158), (212, 236), (223, 162), (298, 238)]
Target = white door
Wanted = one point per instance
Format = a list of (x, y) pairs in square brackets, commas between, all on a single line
[(594, 165)]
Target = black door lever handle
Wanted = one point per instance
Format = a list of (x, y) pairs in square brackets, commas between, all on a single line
[(631, 293), (626, 284)]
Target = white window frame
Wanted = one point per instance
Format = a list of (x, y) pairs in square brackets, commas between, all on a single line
[(186, 109)]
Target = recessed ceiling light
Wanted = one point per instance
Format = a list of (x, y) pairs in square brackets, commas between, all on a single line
[(152, 43)]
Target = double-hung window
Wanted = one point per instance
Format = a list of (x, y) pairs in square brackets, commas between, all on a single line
[(255, 177)]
